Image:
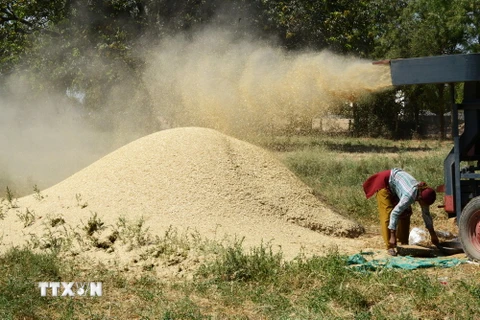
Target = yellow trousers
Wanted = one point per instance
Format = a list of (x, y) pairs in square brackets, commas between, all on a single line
[(386, 202)]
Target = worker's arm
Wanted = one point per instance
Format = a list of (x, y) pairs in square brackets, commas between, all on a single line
[(401, 206), (427, 218)]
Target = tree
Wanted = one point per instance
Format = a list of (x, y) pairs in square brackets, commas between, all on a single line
[(472, 23), (343, 26), (19, 21), (426, 28)]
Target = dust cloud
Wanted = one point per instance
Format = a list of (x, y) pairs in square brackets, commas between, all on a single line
[(211, 78), (238, 85), (43, 140)]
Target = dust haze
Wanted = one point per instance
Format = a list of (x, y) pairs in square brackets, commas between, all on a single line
[(43, 141), (211, 78), (239, 85)]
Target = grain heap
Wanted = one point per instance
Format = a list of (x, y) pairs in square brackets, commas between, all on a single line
[(191, 178)]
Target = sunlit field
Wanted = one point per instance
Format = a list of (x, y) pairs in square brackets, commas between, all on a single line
[(260, 284)]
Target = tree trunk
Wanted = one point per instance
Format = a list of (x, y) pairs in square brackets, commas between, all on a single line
[(416, 114), (416, 117), (441, 110), (356, 120)]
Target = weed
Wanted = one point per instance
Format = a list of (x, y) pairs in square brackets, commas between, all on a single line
[(33, 242), (28, 217), (172, 242), (93, 224), (133, 233), (37, 194), (54, 241), (82, 204), (80, 240), (4, 207), (55, 221), (9, 196), (234, 265)]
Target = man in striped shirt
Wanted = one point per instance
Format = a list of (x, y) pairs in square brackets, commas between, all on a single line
[(396, 190)]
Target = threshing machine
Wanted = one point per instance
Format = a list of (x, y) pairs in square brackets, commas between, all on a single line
[(462, 164)]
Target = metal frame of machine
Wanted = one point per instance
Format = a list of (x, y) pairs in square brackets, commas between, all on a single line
[(462, 184)]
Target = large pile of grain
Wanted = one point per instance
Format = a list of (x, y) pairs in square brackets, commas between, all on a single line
[(191, 178)]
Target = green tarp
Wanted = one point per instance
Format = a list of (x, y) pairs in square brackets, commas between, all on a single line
[(358, 262)]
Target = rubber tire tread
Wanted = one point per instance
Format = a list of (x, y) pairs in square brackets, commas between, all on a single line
[(464, 228)]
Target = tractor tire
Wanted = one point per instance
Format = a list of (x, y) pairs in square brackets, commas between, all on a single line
[(469, 229)]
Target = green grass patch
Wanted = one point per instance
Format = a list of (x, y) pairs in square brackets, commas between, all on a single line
[(234, 264), (326, 288), (240, 284), (20, 271)]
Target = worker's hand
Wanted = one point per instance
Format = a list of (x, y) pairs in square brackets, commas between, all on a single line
[(434, 237)]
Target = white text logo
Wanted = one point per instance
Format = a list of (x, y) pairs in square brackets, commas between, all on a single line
[(70, 289)]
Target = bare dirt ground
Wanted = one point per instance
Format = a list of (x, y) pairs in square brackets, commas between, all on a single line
[(192, 180)]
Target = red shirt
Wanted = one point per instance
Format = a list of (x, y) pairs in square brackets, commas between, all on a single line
[(376, 182)]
